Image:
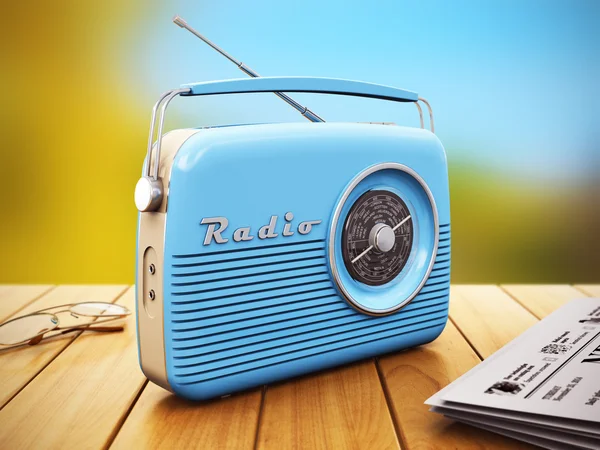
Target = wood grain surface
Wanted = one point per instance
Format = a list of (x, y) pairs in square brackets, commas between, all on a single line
[(13, 298), (344, 408), (592, 290), (79, 400), (488, 317), (161, 420), (541, 299), (18, 366), (86, 390)]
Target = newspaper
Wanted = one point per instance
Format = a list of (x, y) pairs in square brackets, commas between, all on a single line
[(546, 379)]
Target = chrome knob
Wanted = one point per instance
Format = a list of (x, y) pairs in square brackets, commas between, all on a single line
[(382, 237), (148, 194)]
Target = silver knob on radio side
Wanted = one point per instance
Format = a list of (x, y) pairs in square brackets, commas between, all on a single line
[(148, 194)]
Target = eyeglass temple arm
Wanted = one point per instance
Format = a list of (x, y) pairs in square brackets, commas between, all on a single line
[(40, 337)]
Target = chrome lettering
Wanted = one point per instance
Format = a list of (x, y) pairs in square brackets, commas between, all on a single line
[(217, 225), (286, 228), (268, 231), (306, 227), (242, 234), (211, 232)]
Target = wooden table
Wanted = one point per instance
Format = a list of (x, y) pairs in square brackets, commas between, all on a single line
[(87, 391)]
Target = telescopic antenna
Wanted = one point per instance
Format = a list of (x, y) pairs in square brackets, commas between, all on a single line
[(251, 73)]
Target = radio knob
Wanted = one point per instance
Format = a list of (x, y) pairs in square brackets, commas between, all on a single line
[(382, 237), (148, 194)]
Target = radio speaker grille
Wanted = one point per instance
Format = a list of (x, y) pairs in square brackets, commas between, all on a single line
[(239, 310)]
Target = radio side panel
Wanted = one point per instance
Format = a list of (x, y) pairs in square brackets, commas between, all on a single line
[(242, 314), (150, 273)]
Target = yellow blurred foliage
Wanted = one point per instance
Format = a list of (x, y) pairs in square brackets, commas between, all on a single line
[(73, 144)]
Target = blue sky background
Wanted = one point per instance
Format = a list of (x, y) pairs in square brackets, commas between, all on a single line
[(514, 84)]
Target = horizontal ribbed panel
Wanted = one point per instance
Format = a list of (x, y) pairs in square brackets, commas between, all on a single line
[(241, 310)]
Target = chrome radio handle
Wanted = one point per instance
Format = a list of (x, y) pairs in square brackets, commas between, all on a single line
[(431, 124), (149, 188), (313, 85)]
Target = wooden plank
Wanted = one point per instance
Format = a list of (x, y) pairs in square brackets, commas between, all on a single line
[(413, 376), (19, 365), (542, 299), (592, 290), (159, 419), (82, 397), (15, 297), (343, 408), (488, 317)]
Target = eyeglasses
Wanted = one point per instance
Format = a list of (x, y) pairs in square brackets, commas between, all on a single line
[(32, 328)]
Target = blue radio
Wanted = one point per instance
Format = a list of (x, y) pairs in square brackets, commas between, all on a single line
[(269, 251)]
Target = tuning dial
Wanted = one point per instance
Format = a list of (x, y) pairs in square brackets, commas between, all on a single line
[(377, 237)]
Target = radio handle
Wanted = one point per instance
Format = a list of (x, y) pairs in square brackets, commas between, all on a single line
[(149, 189), (301, 84), (313, 85)]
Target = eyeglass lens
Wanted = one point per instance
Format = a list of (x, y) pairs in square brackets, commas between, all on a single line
[(99, 309), (25, 328)]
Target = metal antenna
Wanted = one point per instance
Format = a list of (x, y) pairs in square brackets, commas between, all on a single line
[(307, 113)]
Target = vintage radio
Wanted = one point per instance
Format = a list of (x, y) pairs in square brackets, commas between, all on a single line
[(269, 251)]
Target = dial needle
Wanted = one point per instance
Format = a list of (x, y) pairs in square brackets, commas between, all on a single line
[(370, 247), (362, 254), (401, 223)]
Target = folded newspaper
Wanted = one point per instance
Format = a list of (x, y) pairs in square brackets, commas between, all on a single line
[(542, 388)]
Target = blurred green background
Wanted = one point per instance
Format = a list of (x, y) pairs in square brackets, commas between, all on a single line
[(514, 86)]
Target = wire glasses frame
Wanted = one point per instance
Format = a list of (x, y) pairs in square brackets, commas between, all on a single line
[(33, 328)]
